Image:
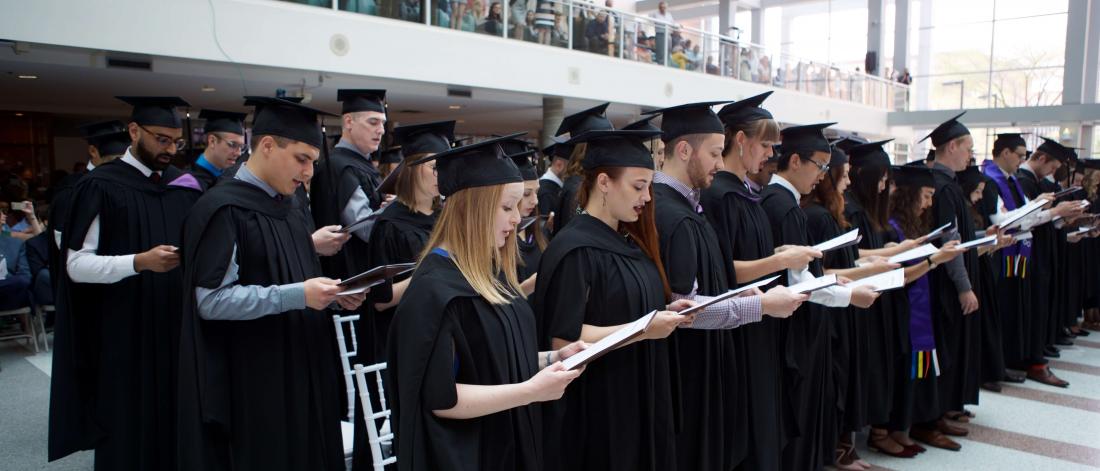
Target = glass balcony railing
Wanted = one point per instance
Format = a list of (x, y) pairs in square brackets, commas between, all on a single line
[(582, 26)]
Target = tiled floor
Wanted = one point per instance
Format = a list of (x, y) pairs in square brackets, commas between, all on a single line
[(1028, 426)]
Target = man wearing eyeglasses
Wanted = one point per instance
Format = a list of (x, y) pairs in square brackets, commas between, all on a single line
[(224, 142), (118, 303)]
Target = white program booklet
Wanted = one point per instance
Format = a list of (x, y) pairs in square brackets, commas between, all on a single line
[(843, 240), (728, 294), (813, 285), (914, 254), (987, 240), (892, 279), (609, 343)]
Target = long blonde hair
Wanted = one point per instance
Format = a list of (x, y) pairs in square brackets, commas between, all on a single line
[(465, 226)]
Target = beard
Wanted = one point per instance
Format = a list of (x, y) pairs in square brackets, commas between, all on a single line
[(700, 177), (151, 158)]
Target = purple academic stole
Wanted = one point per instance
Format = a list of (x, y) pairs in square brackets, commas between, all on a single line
[(924, 360), (1018, 254)]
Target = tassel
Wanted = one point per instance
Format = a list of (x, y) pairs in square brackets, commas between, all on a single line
[(936, 362)]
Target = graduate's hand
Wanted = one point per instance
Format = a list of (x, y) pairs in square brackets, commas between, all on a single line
[(386, 200), (794, 257), (968, 301), (947, 253), (327, 241), (351, 302), (780, 302), (863, 297), (1046, 196), (1075, 238), (1068, 209), (681, 304), (570, 350), (158, 259), (880, 264), (665, 323), (320, 292), (909, 244), (549, 383)]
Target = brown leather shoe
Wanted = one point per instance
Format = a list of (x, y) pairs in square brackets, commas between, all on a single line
[(933, 437), (1042, 374), (952, 430)]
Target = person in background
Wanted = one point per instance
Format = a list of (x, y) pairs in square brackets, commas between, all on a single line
[(550, 183), (517, 18), (665, 21), (26, 221), (458, 13), (545, 17), (224, 134), (493, 23), (15, 272), (598, 33)]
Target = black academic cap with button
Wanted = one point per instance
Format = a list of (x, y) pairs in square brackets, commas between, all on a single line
[(392, 155), (475, 165), (521, 154), (913, 176), (1056, 150), (592, 119), (870, 154), (558, 149), (947, 131), (223, 121), (838, 157), (616, 148), (1010, 140), (804, 139), (1090, 164), (108, 137), (692, 118), (644, 124), (155, 110), (355, 100), (846, 143), (425, 138), (745, 111), (282, 118), (970, 177)]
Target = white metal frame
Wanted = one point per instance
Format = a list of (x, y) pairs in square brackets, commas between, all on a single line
[(31, 332), (375, 437), (345, 356)]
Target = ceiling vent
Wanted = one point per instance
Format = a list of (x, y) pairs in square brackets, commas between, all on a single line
[(461, 92), (129, 62)]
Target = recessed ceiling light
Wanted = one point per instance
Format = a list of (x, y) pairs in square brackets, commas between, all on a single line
[(208, 88), (27, 76), (461, 121), (455, 107), (19, 114)]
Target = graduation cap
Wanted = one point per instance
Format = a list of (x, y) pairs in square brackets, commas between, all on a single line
[(559, 149), (1056, 150), (108, 137), (475, 165), (520, 152), (870, 154), (947, 131), (355, 100), (804, 140), (155, 110), (223, 121), (970, 178), (692, 118), (932, 155), (838, 157), (1010, 140), (846, 143), (392, 155), (282, 118), (909, 175), (1093, 164), (644, 124), (425, 138), (616, 148), (592, 119), (745, 111)]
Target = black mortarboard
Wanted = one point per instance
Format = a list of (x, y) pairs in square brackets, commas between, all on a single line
[(870, 154), (592, 119), (846, 143), (1009, 140), (969, 178), (392, 155), (911, 175), (692, 118), (838, 157), (520, 152), (155, 110), (475, 165), (282, 118), (1093, 164), (1056, 150), (558, 149), (804, 139), (223, 121), (745, 111), (947, 131), (425, 138), (109, 137), (644, 124), (616, 148), (355, 100)]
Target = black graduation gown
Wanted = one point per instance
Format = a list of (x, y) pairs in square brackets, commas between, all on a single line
[(265, 393), (886, 324), (1041, 273), (619, 414), (989, 299), (1066, 286), (958, 337), (848, 336), (444, 333), (1012, 284), (335, 180), (59, 214), (807, 348), (550, 199), (529, 257), (398, 236), (745, 234), (114, 370), (713, 425), (567, 203), (1091, 258), (204, 177)]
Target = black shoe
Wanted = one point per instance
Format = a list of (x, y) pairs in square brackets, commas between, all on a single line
[(1012, 377), (1051, 352), (1064, 341), (991, 386)]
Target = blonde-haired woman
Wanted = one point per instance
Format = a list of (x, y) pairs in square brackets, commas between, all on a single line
[(464, 367)]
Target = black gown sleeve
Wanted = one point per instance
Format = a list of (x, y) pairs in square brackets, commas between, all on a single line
[(681, 264), (566, 297), (214, 250), (440, 385)]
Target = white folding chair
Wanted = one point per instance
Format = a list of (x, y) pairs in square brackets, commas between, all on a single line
[(347, 428), (28, 320), (41, 323), (378, 438)]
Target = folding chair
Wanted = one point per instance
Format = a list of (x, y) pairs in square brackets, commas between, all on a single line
[(41, 323), (379, 438), (347, 427), (28, 320)]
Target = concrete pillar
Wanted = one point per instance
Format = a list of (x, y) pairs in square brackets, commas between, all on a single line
[(874, 33), (1077, 27), (727, 15), (901, 35), (757, 26), (552, 114)]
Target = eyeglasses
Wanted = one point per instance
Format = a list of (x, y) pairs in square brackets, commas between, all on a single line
[(164, 140), (233, 145), (820, 166)]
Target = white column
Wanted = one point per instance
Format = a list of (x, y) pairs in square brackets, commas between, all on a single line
[(874, 33), (727, 15), (901, 35), (758, 25)]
